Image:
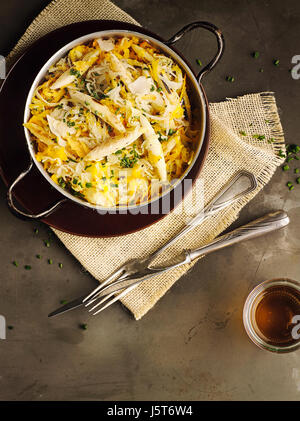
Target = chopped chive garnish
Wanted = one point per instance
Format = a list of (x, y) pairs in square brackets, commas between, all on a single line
[(259, 136), (83, 326), (60, 265), (36, 231), (296, 170), (276, 62), (285, 168), (243, 133), (261, 70), (281, 154), (50, 261), (230, 79), (291, 187), (289, 183), (271, 140), (255, 54), (27, 267), (88, 185), (15, 263), (298, 180), (290, 158), (152, 88), (293, 148), (38, 256), (47, 244), (63, 301), (198, 61), (159, 89)]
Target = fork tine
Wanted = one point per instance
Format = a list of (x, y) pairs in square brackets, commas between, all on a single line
[(99, 287), (101, 300), (116, 298)]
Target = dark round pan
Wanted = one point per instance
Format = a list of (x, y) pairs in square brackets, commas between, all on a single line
[(34, 192)]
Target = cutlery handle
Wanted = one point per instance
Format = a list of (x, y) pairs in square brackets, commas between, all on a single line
[(267, 223), (240, 185)]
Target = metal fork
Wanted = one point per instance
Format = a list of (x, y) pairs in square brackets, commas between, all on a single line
[(268, 223), (240, 185)]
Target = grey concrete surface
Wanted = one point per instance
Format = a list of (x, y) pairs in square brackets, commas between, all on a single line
[(192, 345)]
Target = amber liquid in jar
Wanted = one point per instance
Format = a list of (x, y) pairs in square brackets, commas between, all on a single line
[(275, 309)]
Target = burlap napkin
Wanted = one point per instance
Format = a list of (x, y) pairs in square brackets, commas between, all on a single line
[(229, 152)]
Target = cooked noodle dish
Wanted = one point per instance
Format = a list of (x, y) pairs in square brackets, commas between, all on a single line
[(111, 119)]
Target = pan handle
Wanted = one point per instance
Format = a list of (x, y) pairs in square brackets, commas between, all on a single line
[(18, 212), (210, 27)]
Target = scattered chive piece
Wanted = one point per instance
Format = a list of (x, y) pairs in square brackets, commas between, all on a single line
[(10, 327), (83, 326), (243, 133), (285, 168), (291, 187), (290, 158), (261, 70), (255, 54), (297, 158), (50, 261), (60, 265), (276, 62), (63, 301), (298, 180), (198, 61), (289, 183), (293, 148), (159, 89), (47, 244), (15, 263), (27, 267), (259, 136), (281, 154), (36, 231), (271, 140), (38, 256), (230, 79), (88, 185), (296, 170)]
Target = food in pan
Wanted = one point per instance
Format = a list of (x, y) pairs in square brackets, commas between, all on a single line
[(112, 117)]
